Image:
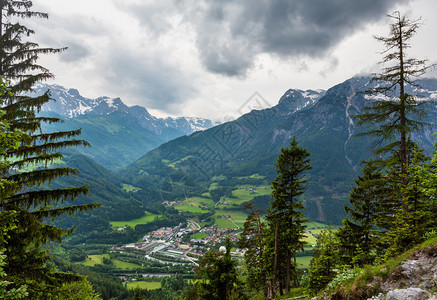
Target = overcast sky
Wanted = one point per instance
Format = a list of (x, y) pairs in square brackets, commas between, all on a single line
[(205, 58)]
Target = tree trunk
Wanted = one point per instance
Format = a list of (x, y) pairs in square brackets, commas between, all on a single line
[(269, 290), (402, 117), (275, 266), (287, 282)]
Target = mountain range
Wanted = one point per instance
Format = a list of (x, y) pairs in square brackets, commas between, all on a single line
[(321, 121), (132, 142), (119, 134)]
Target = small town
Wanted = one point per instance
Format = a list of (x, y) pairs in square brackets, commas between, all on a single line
[(170, 244)]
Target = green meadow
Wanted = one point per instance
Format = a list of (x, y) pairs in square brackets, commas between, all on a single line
[(303, 262), (173, 164), (253, 176), (129, 188), (243, 194), (238, 218), (194, 205), (199, 235), (310, 239), (147, 218), (93, 260), (145, 285), (124, 265)]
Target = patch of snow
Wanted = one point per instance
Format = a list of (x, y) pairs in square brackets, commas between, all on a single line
[(377, 97), (310, 94), (62, 100), (81, 109), (110, 102)]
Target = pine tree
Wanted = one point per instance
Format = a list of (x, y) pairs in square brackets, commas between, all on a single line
[(397, 117), (358, 236), (34, 201), (251, 239), (218, 273), (392, 121), (325, 262), (415, 216), (285, 217), (426, 174), (7, 218)]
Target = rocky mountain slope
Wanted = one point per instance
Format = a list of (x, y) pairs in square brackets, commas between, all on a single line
[(321, 121)]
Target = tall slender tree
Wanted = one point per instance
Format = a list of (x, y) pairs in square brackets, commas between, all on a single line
[(34, 200), (397, 117), (285, 216), (392, 120), (251, 239)]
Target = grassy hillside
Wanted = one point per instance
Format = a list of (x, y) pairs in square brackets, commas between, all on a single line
[(413, 269)]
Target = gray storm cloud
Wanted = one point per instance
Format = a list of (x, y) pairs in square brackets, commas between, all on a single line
[(226, 37), (230, 34)]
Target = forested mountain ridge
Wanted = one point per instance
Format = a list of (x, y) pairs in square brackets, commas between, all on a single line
[(111, 191), (322, 122), (118, 134)]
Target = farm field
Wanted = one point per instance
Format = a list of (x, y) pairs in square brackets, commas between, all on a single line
[(194, 205), (147, 218), (310, 239), (242, 194), (238, 218), (248, 192), (93, 260), (224, 223), (303, 261), (124, 265), (173, 164), (317, 227), (130, 188), (97, 259), (147, 285)]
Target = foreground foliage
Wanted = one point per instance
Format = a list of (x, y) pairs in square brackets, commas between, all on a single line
[(27, 167)]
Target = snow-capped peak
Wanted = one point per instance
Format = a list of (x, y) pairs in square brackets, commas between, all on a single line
[(69, 103)]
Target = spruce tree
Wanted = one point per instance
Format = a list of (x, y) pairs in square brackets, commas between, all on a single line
[(251, 239), (32, 167), (415, 216), (219, 275), (285, 216), (395, 118), (325, 263), (392, 119), (426, 174), (357, 237)]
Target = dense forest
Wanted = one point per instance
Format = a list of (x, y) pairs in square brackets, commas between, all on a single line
[(391, 207)]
